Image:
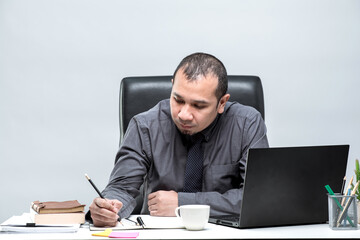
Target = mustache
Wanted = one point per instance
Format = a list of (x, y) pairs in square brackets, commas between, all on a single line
[(186, 124)]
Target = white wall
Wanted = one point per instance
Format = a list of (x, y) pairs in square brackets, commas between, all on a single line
[(61, 63)]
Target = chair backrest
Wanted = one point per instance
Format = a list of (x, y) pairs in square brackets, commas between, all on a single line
[(139, 94)]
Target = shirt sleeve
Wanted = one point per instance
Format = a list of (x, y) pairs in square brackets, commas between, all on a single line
[(229, 202), (130, 168)]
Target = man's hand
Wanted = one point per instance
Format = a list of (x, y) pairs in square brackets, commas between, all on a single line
[(104, 212), (163, 203)]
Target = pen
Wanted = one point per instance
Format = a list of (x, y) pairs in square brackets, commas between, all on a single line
[(32, 225), (96, 189), (140, 221)]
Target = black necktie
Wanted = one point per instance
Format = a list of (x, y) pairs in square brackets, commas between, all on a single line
[(194, 165)]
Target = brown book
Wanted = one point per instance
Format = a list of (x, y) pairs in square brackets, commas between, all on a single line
[(72, 206), (57, 218)]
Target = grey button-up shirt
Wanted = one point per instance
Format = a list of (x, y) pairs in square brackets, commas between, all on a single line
[(154, 152)]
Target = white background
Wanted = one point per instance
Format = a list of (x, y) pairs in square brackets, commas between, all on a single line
[(61, 63)]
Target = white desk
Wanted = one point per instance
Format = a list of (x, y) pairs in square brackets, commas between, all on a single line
[(211, 232)]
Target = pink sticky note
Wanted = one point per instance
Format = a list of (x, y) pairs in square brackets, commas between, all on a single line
[(124, 235)]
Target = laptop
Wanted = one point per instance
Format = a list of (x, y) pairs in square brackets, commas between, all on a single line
[(286, 186)]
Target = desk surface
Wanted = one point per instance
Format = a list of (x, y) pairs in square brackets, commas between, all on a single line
[(211, 232)]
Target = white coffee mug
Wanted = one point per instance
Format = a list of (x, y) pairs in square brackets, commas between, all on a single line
[(194, 217)]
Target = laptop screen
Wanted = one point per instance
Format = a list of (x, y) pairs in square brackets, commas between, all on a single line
[(286, 186)]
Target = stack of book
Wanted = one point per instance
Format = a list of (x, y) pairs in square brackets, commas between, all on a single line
[(66, 212)]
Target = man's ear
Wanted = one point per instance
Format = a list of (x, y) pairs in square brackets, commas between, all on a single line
[(222, 102)]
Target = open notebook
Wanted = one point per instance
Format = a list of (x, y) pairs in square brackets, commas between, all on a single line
[(150, 222)]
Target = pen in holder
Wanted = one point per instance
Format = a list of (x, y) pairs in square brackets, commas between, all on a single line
[(342, 212)]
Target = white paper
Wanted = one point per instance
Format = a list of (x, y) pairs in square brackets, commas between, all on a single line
[(25, 218)]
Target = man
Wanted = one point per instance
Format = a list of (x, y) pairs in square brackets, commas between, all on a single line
[(189, 149)]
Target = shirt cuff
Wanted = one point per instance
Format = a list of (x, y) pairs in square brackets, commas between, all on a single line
[(186, 198), (128, 202)]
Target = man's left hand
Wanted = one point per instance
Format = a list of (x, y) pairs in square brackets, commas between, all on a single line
[(163, 203)]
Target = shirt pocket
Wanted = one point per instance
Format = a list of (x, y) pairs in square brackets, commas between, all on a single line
[(225, 177)]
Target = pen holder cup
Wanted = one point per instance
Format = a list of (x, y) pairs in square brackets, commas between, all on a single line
[(342, 212)]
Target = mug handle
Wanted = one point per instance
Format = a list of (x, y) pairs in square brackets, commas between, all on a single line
[(177, 211)]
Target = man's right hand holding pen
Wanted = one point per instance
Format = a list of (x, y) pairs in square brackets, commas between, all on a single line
[(104, 212)]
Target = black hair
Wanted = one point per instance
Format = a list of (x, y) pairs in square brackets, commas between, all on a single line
[(202, 64)]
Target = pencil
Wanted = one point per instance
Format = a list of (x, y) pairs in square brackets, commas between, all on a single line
[(331, 192), (347, 189), (343, 185), (96, 189), (344, 211)]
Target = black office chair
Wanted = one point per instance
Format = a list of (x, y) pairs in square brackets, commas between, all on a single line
[(139, 94)]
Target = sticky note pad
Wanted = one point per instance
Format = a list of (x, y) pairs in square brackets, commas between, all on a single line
[(105, 233), (124, 235)]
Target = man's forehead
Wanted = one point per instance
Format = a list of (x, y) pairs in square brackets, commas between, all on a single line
[(200, 101)]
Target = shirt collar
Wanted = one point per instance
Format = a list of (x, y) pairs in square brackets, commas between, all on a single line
[(209, 130)]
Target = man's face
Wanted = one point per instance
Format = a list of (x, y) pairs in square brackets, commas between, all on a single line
[(193, 104)]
